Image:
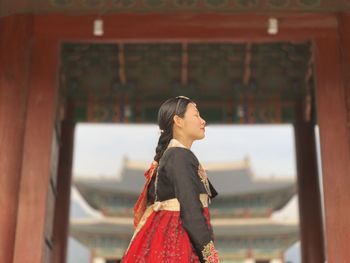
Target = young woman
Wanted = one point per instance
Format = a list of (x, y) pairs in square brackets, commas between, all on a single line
[(172, 222)]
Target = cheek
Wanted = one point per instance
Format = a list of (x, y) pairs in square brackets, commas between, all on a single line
[(192, 125), (196, 124)]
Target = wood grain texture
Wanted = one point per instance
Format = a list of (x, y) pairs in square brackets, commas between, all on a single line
[(311, 227), (335, 150), (34, 185), (61, 221), (143, 28), (15, 32)]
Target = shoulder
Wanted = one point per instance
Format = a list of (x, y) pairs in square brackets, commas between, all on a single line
[(176, 154)]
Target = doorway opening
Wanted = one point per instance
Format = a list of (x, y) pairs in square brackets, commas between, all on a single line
[(237, 86)]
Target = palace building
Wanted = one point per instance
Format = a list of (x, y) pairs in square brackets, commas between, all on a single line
[(241, 214)]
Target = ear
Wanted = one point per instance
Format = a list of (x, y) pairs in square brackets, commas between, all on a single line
[(178, 121)]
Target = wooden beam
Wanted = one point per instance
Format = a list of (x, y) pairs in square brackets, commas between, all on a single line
[(335, 149), (184, 64), (121, 59), (33, 237), (344, 37), (308, 97), (64, 177), (311, 234), (15, 49), (146, 28), (247, 61)]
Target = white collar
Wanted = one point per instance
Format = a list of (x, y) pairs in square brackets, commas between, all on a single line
[(175, 143)]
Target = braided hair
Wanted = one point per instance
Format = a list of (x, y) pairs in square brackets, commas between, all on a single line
[(167, 111)]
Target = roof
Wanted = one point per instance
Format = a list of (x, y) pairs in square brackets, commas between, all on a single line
[(229, 178)]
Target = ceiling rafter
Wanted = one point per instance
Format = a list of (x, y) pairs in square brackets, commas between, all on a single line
[(121, 60), (247, 61), (265, 79), (308, 97), (184, 64)]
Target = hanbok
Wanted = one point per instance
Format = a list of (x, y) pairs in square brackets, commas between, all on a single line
[(172, 219)]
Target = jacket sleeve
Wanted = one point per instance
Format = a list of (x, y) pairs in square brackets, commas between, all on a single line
[(183, 169)]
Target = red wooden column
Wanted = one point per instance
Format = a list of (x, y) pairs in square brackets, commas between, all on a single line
[(344, 33), (335, 149), (35, 210), (15, 48), (61, 221), (311, 228)]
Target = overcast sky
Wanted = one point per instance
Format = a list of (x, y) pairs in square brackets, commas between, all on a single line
[(99, 148)]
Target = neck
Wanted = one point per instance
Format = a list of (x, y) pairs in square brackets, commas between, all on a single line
[(186, 142)]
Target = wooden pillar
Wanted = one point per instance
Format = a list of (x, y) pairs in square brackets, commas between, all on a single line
[(15, 48), (311, 227), (335, 150), (36, 201), (61, 221), (344, 34)]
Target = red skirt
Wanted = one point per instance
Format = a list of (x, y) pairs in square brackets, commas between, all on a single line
[(162, 239)]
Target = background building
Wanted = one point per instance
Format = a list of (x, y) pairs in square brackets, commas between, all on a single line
[(244, 217)]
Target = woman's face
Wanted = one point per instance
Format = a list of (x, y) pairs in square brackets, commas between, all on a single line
[(194, 125)]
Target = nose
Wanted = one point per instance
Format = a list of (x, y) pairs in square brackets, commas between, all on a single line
[(204, 122)]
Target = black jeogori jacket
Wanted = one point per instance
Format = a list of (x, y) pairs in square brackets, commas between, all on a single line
[(179, 177)]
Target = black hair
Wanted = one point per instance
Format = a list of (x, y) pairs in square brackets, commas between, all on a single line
[(167, 111)]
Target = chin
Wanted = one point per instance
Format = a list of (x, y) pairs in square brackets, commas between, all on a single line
[(198, 136), (201, 137)]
